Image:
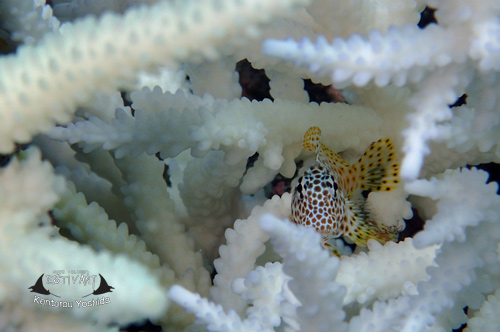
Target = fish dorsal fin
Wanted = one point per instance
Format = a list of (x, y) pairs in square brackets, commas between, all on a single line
[(335, 164), (376, 170), (312, 139), (329, 159)]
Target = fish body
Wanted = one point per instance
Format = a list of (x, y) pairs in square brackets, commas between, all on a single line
[(329, 196)]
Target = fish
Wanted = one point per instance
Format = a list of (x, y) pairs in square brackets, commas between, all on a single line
[(330, 195)]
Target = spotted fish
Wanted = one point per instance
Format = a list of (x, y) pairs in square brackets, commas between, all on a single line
[(329, 196)]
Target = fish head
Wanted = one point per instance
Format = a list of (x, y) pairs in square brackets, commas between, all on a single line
[(318, 202)]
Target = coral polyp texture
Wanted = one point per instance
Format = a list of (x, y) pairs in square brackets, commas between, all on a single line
[(137, 162)]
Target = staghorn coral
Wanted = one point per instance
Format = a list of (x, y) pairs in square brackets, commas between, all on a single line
[(154, 166)]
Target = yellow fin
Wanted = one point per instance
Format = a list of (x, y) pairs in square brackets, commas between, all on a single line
[(333, 251), (360, 228), (365, 230), (376, 170), (332, 161), (312, 139)]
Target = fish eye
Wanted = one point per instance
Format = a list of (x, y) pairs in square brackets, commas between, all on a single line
[(299, 190), (335, 187)]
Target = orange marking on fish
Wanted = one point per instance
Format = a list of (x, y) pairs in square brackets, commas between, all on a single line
[(330, 191)]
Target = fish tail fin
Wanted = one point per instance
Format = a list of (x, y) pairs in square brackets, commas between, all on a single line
[(312, 139), (378, 168)]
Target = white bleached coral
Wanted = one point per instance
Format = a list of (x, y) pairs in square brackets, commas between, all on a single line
[(312, 273), (396, 269), (168, 124), (27, 20), (244, 244), (457, 209), (487, 316), (404, 54), (29, 214), (74, 85)]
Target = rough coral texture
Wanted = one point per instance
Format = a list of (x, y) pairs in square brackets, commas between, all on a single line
[(135, 155)]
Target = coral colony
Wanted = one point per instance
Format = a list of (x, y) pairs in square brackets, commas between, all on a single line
[(134, 157)]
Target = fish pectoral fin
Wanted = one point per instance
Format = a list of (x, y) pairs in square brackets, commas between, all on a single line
[(365, 229), (360, 228), (333, 251)]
